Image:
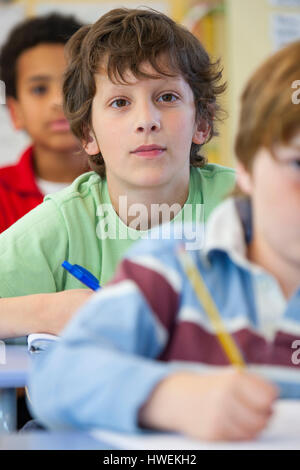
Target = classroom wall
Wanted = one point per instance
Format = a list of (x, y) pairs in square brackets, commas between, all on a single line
[(255, 29), (248, 45)]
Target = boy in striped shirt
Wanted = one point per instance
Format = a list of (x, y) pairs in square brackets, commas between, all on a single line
[(142, 353)]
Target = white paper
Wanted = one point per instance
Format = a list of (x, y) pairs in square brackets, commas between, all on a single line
[(12, 143), (10, 15), (283, 433), (285, 28), (285, 3)]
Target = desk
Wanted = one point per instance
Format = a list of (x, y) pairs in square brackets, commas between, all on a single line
[(13, 374)]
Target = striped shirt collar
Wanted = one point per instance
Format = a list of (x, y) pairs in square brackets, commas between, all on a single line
[(229, 230)]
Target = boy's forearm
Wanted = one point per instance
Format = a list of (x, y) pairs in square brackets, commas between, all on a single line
[(20, 316), (39, 313)]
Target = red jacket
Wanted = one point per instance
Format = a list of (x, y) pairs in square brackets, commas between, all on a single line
[(18, 190)]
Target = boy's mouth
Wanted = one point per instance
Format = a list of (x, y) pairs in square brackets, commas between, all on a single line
[(149, 151), (60, 125)]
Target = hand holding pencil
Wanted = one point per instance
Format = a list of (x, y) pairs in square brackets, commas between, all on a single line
[(230, 404)]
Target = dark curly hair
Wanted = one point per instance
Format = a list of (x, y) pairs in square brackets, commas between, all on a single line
[(123, 39), (50, 29)]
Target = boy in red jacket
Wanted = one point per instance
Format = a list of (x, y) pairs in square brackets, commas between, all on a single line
[(32, 63)]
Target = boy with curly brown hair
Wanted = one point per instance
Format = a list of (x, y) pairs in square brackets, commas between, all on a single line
[(140, 93)]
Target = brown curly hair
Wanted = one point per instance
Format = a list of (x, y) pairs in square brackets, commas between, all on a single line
[(125, 38)]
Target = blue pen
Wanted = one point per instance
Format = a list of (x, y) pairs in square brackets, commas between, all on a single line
[(83, 275)]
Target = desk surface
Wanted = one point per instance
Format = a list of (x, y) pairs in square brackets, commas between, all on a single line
[(44, 440), (15, 370)]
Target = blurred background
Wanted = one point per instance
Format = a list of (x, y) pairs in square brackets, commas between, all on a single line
[(240, 32)]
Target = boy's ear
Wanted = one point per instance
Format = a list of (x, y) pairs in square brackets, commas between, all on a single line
[(15, 112), (91, 146), (244, 179), (201, 133)]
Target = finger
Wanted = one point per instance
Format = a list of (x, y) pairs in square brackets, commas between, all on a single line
[(232, 431), (250, 420), (256, 393)]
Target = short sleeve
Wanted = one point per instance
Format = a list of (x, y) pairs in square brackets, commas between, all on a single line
[(31, 253)]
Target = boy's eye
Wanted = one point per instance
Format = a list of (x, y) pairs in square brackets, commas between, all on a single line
[(295, 164), (39, 90), (168, 98), (119, 103)]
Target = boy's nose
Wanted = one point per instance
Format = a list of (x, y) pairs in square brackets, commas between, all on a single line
[(57, 98), (148, 120)]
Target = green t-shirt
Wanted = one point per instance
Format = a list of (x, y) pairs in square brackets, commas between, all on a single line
[(78, 224)]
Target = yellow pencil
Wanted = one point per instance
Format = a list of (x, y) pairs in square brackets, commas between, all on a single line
[(227, 342)]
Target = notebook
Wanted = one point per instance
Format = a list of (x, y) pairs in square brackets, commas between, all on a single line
[(38, 342)]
